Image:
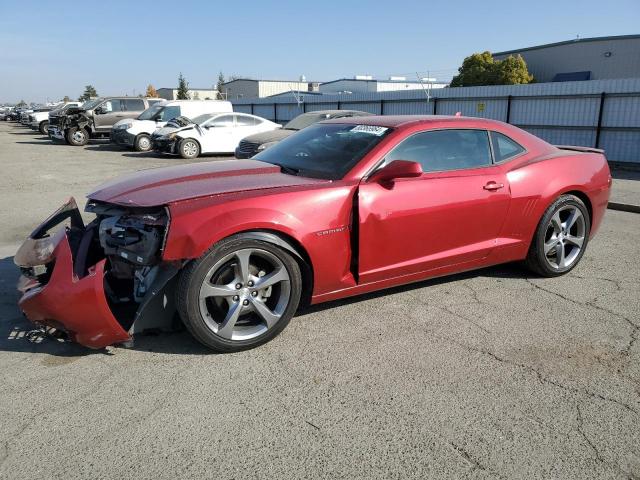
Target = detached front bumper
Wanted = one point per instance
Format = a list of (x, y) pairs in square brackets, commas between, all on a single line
[(75, 305), (122, 137), (164, 146)]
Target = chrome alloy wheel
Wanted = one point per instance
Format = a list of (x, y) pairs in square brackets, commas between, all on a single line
[(245, 294), (564, 237), (144, 143), (189, 148)]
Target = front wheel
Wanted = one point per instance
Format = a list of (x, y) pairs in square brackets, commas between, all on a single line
[(44, 127), (560, 238), (189, 148), (142, 143), (240, 294), (77, 137)]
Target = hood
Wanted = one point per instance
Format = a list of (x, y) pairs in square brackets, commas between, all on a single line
[(270, 136), (162, 186), (168, 128)]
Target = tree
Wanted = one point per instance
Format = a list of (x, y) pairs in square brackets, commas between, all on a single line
[(183, 88), (151, 92), (483, 69), (219, 85), (21, 103), (89, 92), (66, 99)]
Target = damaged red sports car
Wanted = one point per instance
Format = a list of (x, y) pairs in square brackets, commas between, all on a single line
[(342, 207)]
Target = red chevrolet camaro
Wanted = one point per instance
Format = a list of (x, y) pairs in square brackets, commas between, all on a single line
[(340, 208)]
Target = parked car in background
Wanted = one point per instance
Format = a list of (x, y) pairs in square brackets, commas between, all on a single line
[(253, 144), (39, 120), (209, 133), (5, 112), (136, 133), (96, 118), (341, 208)]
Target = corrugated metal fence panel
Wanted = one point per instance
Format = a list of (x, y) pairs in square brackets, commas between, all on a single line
[(555, 111), (288, 111), (474, 107), (621, 146), (621, 112), (264, 111), (242, 108), (565, 136), (373, 107), (409, 108), (313, 107), (561, 113)]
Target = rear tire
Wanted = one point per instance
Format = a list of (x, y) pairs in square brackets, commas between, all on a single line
[(142, 143), (189, 148), (44, 127), (239, 295), (561, 237), (78, 137)]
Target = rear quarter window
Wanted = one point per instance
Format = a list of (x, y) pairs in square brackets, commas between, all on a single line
[(504, 147), (134, 104)]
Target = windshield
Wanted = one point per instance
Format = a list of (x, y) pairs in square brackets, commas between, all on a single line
[(150, 112), (89, 104), (200, 119), (324, 150), (304, 120)]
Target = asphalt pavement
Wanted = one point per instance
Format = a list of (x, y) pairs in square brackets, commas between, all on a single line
[(489, 374)]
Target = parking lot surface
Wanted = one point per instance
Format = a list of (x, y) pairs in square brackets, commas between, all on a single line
[(488, 374)]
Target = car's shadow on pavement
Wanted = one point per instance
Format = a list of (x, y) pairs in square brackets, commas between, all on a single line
[(15, 329), (104, 147), (41, 142)]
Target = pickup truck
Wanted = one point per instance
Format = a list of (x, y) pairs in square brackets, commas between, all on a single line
[(95, 118), (39, 120)]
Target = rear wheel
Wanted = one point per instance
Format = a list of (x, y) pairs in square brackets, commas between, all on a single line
[(189, 148), (240, 294), (44, 127), (561, 237), (142, 143), (77, 137)]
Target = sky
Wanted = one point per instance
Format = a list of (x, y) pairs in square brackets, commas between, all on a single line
[(49, 49)]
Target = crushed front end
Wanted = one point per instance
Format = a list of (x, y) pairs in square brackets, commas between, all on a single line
[(102, 282)]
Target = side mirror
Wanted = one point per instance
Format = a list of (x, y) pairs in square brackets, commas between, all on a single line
[(396, 169)]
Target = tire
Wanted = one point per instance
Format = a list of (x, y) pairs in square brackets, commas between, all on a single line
[(239, 314), (44, 127), (78, 137), (561, 237), (142, 143), (189, 148)]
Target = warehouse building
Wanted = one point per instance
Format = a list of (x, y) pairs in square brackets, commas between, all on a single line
[(250, 88), (367, 84), (582, 59), (194, 93)]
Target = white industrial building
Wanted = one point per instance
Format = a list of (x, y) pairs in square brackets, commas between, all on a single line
[(194, 93), (250, 88), (582, 59), (367, 84)]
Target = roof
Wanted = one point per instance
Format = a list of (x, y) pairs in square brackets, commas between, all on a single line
[(263, 80), (209, 89), (373, 80), (395, 121), (569, 42)]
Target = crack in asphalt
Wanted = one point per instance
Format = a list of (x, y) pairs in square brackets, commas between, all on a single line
[(475, 464)]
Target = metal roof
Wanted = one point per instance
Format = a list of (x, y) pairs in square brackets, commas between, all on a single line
[(374, 80), (568, 42)]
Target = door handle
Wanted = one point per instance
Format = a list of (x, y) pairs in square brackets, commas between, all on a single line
[(493, 186)]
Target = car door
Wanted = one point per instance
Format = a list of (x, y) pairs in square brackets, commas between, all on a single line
[(451, 214), (218, 135), (107, 114), (133, 107), (245, 125)]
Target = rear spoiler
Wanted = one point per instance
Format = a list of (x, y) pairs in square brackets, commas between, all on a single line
[(580, 149)]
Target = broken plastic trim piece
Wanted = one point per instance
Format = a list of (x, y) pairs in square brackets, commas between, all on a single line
[(67, 211)]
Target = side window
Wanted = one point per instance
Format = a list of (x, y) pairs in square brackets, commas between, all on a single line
[(134, 104), (169, 113), (442, 150), (245, 121), (112, 106), (503, 147), (222, 121)]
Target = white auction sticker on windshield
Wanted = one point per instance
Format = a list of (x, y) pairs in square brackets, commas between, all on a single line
[(371, 129)]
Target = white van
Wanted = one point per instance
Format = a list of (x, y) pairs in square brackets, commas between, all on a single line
[(137, 133)]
